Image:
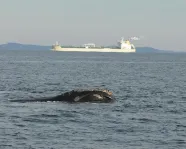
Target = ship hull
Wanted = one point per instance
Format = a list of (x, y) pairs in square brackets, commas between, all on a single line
[(95, 50)]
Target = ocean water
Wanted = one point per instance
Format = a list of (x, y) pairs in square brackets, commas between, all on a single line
[(149, 112)]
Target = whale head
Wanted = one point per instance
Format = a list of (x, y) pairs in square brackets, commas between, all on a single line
[(96, 96)]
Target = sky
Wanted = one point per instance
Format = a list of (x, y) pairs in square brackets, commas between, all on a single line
[(159, 23)]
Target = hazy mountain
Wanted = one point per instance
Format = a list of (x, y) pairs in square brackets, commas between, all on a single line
[(150, 50), (18, 46)]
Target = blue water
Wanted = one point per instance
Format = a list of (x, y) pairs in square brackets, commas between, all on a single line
[(149, 112)]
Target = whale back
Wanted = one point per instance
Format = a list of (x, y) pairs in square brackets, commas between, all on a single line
[(75, 96)]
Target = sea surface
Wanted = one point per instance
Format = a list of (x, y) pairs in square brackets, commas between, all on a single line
[(149, 112)]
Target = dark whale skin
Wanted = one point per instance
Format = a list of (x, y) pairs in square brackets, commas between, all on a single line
[(77, 96)]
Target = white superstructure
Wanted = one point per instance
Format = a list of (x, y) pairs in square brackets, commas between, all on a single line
[(123, 46), (89, 45)]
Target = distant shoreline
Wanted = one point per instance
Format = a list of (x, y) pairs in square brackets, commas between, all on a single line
[(18, 46)]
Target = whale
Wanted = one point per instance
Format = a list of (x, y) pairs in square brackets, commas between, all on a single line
[(77, 96)]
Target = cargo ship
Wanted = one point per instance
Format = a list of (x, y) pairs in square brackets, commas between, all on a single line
[(123, 46)]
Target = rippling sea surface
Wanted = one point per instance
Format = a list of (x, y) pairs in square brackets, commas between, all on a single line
[(149, 112)]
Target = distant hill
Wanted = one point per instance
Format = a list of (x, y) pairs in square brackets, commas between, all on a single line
[(150, 50), (18, 46)]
